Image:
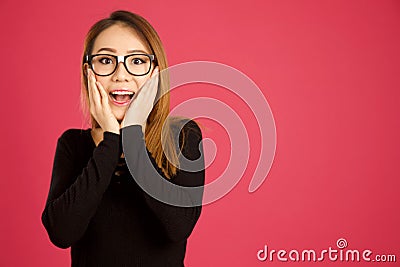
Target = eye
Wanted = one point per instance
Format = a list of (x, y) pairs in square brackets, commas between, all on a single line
[(105, 60), (137, 61)]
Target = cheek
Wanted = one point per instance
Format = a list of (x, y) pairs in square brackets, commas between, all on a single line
[(103, 80), (142, 80)]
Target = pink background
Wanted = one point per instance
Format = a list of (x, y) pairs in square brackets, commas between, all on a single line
[(329, 70)]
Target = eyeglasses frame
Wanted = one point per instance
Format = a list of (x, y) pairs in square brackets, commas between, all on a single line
[(88, 60)]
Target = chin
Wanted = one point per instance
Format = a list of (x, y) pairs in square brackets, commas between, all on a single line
[(119, 115)]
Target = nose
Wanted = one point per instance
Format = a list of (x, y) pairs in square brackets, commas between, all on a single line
[(121, 74)]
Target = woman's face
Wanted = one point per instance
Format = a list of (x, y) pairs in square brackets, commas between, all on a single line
[(121, 85)]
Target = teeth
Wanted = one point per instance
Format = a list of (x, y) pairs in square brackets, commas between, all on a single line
[(122, 93)]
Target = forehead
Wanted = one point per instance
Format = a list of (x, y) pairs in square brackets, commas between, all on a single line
[(120, 38)]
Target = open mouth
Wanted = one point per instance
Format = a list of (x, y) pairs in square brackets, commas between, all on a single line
[(121, 97)]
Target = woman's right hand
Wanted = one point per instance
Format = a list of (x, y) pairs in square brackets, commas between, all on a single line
[(99, 106)]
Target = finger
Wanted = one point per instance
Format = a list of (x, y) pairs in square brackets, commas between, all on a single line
[(152, 83), (93, 88), (90, 90), (155, 71), (155, 80), (104, 97), (154, 91)]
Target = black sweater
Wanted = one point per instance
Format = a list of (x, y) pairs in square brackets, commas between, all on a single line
[(95, 206)]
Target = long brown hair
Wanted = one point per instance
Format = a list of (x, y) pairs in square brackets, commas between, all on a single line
[(157, 125)]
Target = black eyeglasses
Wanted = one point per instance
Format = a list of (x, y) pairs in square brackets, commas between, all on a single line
[(105, 64)]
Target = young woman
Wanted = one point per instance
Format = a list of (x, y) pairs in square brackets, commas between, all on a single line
[(94, 205)]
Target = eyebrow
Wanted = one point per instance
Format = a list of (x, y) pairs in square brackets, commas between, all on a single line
[(115, 51)]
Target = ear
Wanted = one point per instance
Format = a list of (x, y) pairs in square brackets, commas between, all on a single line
[(85, 68)]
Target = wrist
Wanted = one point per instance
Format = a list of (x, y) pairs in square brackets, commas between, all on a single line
[(112, 130), (116, 131), (126, 124)]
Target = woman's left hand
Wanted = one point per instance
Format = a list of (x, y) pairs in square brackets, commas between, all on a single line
[(142, 103)]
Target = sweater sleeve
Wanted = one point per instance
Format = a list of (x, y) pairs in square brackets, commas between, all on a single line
[(177, 221), (73, 198)]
